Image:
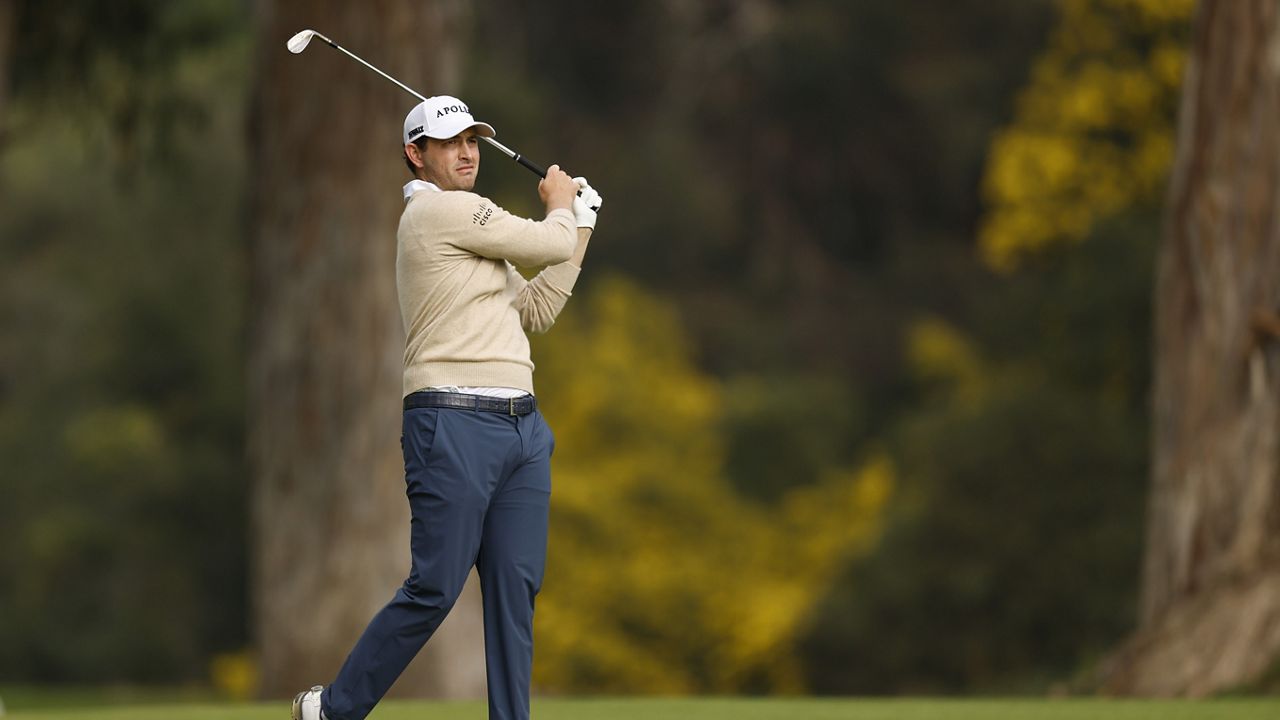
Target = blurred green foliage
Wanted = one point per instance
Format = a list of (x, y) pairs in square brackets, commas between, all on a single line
[(121, 301), (1011, 558)]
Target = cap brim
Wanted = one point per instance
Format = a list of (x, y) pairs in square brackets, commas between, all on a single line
[(444, 133)]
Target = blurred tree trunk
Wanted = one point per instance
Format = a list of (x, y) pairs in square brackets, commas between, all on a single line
[(330, 520), (1210, 616)]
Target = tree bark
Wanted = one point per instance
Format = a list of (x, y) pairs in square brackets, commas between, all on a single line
[(1210, 615), (330, 519)]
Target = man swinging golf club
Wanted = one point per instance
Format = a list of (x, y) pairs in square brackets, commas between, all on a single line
[(477, 451)]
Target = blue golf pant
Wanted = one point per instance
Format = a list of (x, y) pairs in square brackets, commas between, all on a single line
[(479, 487)]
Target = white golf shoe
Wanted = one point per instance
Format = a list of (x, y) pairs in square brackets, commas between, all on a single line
[(306, 705)]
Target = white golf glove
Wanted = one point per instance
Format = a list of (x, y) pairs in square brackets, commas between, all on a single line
[(586, 203)]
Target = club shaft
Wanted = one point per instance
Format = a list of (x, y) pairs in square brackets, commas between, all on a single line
[(360, 60), (516, 156), (532, 166)]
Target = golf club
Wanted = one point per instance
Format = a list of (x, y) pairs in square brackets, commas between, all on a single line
[(299, 42)]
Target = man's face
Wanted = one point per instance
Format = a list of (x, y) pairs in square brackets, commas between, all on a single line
[(452, 164)]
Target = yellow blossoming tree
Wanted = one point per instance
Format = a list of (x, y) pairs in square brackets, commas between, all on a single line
[(661, 578), (1092, 132)]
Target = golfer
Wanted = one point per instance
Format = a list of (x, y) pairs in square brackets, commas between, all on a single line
[(477, 453)]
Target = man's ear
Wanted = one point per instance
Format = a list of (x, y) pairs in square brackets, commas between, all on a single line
[(412, 152)]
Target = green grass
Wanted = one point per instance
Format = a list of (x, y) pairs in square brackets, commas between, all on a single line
[(719, 709)]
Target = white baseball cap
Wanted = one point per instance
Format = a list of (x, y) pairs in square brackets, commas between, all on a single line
[(441, 117)]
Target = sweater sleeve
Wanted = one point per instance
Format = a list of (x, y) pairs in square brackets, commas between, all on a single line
[(540, 300), (478, 225)]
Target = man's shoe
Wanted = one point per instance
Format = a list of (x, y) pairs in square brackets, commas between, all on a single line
[(306, 705)]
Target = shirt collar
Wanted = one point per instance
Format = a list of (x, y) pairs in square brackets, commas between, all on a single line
[(416, 186)]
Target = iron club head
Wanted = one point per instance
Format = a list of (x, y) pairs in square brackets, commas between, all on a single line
[(298, 42)]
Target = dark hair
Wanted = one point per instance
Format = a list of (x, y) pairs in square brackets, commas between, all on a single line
[(422, 146)]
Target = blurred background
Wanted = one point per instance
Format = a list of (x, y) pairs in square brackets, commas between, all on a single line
[(855, 394)]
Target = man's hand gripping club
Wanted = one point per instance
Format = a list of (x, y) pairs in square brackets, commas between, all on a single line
[(557, 190)]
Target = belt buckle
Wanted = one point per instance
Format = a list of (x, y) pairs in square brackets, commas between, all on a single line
[(511, 407)]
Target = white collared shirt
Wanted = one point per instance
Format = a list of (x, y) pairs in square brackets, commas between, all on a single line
[(498, 392), (416, 186)]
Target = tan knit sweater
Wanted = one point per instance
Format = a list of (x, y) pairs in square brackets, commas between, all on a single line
[(464, 306)]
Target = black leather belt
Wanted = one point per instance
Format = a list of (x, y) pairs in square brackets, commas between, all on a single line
[(508, 406)]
